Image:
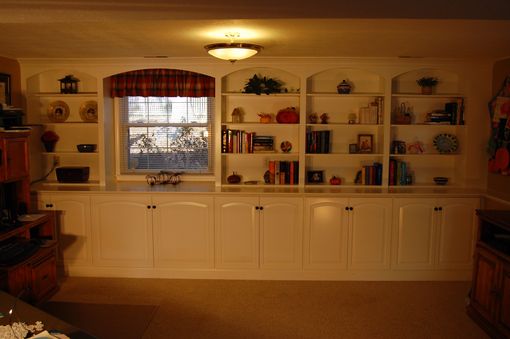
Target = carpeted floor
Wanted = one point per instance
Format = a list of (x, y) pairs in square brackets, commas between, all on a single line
[(272, 309), (100, 320)]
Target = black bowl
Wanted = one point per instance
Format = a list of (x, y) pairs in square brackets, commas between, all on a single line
[(86, 148), (440, 180)]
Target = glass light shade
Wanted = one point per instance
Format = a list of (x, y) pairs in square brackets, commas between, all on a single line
[(232, 51)]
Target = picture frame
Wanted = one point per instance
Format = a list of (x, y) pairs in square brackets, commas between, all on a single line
[(315, 177), (353, 148), (365, 143), (5, 89)]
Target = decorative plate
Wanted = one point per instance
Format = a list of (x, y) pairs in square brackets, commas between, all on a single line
[(88, 111), (446, 143), (58, 111), (286, 146)]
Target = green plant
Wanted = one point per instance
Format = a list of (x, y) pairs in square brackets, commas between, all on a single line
[(427, 81), (258, 85)]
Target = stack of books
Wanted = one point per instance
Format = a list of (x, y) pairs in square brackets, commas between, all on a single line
[(262, 143), (283, 172), (317, 141), (453, 114), (373, 113), (236, 141)]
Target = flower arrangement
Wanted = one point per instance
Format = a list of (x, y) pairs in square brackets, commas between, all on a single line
[(258, 85), (49, 136)]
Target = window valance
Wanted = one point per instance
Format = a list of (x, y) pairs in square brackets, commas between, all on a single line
[(162, 83)]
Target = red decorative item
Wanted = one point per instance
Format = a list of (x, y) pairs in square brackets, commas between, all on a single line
[(287, 115), (335, 181)]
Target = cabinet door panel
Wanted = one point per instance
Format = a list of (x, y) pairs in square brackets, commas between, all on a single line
[(16, 157), (504, 309), (370, 233), (414, 233), (456, 232), (73, 227), (325, 239), (237, 232), (281, 223), (484, 280), (122, 230), (183, 232)]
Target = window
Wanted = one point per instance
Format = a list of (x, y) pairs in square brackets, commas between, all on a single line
[(166, 133)]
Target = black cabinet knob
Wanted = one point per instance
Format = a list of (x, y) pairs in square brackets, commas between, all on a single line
[(153, 206), (435, 209), (346, 208), (257, 208), (351, 208), (261, 208), (148, 207), (440, 208)]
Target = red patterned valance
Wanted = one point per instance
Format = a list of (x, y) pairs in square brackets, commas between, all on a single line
[(162, 83)]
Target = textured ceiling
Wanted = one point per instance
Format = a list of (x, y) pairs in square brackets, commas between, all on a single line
[(362, 28)]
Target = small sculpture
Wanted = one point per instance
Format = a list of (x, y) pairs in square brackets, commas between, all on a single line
[(324, 118), (313, 118)]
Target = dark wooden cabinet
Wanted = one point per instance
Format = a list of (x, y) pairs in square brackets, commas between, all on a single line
[(490, 291), (32, 274)]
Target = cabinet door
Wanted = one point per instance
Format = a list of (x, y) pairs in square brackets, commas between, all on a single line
[(183, 232), (73, 228), (414, 233), (456, 232), (484, 283), (370, 232), (237, 232), (122, 230), (281, 223), (504, 294), (325, 236), (16, 158)]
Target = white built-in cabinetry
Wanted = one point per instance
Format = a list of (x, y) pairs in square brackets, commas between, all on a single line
[(431, 233), (345, 233), (73, 225), (43, 90), (183, 229), (253, 232)]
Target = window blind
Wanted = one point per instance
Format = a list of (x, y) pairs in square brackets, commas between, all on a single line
[(166, 133)]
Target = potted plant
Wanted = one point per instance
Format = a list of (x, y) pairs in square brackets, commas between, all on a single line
[(427, 84), (49, 139)]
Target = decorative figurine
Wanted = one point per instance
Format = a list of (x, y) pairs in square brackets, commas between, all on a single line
[(324, 118), (313, 118), (234, 178), (236, 115)]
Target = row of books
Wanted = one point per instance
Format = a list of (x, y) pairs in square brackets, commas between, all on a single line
[(453, 114), (399, 173), (373, 113), (317, 141), (238, 141), (370, 175), (283, 172)]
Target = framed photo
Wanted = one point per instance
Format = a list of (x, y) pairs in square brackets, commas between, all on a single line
[(315, 177), (365, 143), (5, 89), (353, 148)]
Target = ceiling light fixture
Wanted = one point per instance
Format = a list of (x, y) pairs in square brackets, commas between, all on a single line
[(232, 51)]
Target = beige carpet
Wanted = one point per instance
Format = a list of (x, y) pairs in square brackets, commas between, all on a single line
[(285, 309)]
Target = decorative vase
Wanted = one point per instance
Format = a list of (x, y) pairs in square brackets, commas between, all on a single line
[(344, 87), (49, 146)]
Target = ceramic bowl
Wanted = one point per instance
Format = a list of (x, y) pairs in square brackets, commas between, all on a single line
[(441, 180), (86, 148)]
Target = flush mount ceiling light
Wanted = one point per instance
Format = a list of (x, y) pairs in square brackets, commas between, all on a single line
[(232, 51)]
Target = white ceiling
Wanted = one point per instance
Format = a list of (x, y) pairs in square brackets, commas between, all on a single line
[(318, 28)]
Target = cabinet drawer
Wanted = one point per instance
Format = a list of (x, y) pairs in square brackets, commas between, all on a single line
[(44, 277)]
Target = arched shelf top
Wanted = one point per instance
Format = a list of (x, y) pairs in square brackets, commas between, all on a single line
[(234, 82), (362, 81), (47, 81), (405, 83)]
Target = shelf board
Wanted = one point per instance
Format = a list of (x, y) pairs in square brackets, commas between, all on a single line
[(262, 154), (81, 123), (425, 155), (426, 96), (361, 155), (425, 125), (70, 153), (56, 183), (343, 124), (61, 95), (290, 94), (350, 95), (255, 124)]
